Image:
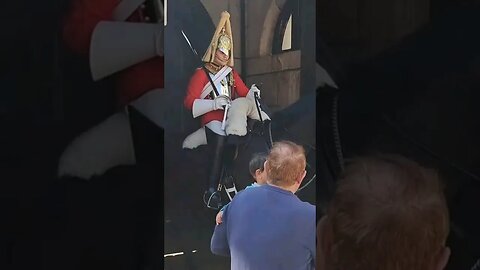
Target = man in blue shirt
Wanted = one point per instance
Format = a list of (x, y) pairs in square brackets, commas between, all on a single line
[(268, 227)]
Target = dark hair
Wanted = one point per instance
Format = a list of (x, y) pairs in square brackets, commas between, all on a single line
[(388, 213), (256, 163)]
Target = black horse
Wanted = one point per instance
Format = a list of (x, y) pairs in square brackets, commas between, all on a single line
[(188, 219), (295, 123)]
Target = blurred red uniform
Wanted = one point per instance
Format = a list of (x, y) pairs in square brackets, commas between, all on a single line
[(78, 27), (139, 79)]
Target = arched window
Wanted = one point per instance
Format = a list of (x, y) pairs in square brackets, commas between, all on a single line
[(287, 31), (287, 36)]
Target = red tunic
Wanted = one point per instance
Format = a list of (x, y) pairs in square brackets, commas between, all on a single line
[(78, 27), (195, 87)]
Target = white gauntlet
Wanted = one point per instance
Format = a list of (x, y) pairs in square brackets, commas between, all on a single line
[(220, 101), (251, 94), (203, 106)]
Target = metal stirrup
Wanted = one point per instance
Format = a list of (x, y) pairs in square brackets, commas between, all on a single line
[(229, 190)]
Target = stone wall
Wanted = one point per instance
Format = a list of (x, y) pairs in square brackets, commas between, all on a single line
[(278, 76)]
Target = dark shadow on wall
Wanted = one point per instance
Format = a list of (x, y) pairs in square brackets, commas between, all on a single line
[(195, 22)]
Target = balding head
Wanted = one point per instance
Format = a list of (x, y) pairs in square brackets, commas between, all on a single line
[(285, 164)]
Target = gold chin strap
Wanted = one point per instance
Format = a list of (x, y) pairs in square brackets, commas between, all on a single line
[(212, 67)]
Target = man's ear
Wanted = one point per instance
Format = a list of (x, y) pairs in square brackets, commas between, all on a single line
[(443, 258), (301, 177)]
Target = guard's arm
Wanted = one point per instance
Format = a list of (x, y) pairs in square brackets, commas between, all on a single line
[(194, 90)]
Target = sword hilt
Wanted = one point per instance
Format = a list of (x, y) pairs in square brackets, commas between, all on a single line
[(224, 121)]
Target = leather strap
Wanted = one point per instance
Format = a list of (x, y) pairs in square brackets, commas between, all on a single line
[(211, 85), (211, 81)]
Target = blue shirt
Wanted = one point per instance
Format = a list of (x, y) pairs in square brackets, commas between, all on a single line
[(249, 186), (267, 228)]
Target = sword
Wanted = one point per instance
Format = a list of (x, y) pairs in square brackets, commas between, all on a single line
[(200, 61), (189, 44), (224, 121)]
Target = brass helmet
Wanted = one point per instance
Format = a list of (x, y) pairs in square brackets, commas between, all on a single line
[(222, 40)]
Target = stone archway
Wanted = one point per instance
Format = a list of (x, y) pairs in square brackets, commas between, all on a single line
[(269, 25), (280, 73)]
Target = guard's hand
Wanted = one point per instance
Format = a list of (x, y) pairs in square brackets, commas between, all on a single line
[(220, 102), (253, 90)]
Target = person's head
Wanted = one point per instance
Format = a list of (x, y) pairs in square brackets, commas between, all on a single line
[(285, 165), (388, 213), (256, 168), (221, 58), (222, 54), (220, 51)]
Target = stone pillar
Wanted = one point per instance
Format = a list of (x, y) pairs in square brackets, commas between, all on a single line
[(307, 45)]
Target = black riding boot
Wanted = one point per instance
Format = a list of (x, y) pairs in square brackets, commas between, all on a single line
[(216, 145)]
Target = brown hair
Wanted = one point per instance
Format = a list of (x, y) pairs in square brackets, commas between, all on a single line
[(285, 163), (388, 213)]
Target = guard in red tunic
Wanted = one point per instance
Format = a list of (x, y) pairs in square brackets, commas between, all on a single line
[(209, 95), (122, 38)]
